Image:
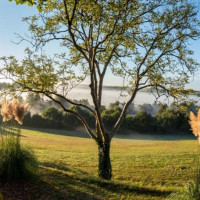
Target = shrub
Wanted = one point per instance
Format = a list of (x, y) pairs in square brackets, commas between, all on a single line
[(16, 162), (128, 122), (51, 113), (110, 115), (38, 121), (172, 119), (144, 122)]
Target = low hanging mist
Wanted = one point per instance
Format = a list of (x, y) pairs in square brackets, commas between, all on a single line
[(112, 94), (144, 100), (144, 115)]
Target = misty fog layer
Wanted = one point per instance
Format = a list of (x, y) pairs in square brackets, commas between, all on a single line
[(113, 95)]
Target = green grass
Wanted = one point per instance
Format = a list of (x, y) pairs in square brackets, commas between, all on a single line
[(142, 169)]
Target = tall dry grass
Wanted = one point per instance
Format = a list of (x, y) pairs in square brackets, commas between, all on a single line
[(16, 162), (195, 124), (13, 110), (192, 190)]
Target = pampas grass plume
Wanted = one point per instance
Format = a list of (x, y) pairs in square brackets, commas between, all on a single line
[(195, 124), (6, 110), (14, 110)]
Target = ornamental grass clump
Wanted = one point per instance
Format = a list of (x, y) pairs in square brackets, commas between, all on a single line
[(16, 162), (192, 189), (195, 126)]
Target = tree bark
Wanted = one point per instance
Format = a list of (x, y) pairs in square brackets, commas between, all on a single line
[(105, 168)]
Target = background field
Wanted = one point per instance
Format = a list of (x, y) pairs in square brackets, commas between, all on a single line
[(143, 169)]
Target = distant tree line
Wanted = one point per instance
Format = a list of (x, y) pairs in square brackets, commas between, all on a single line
[(144, 118)]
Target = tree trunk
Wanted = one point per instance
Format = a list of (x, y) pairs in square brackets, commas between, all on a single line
[(105, 168)]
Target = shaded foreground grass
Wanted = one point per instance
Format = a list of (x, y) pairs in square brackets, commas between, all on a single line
[(142, 169)]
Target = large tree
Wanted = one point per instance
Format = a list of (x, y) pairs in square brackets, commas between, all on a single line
[(145, 42)]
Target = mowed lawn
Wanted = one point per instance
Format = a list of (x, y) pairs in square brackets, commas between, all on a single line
[(142, 169)]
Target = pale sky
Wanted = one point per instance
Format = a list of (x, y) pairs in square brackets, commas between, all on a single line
[(11, 23)]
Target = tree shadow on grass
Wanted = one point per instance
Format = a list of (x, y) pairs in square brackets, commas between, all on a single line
[(81, 185), (53, 165), (120, 188), (66, 185), (52, 185), (58, 182)]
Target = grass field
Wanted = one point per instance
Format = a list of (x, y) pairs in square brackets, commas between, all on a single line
[(142, 169)]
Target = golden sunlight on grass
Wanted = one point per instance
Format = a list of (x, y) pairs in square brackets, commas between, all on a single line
[(142, 169)]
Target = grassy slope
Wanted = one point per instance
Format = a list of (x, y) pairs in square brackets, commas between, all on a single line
[(142, 169)]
